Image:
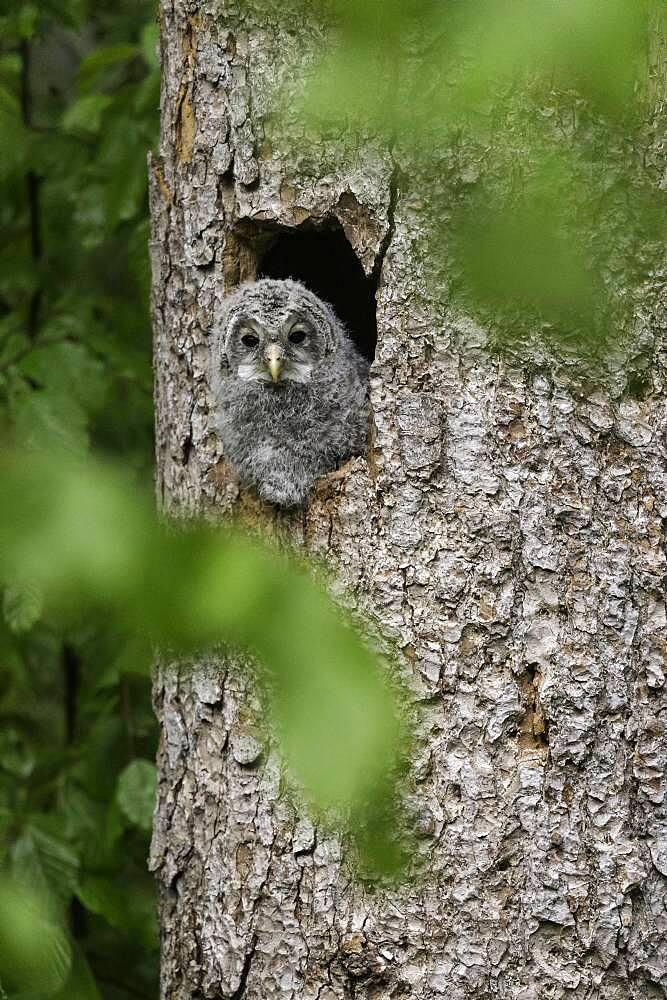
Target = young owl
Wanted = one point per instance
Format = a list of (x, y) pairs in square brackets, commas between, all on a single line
[(291, 390)]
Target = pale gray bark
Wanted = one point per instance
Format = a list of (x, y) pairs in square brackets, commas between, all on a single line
[(507, 530)]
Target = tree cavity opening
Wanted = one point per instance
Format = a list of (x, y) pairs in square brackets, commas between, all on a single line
[(323, 259)]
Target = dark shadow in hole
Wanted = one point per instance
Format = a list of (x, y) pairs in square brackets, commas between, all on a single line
[(325, 262)]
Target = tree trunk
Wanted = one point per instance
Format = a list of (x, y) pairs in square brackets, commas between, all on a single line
[(506, 529)]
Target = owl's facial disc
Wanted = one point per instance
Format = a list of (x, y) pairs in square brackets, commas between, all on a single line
[(285, 352)]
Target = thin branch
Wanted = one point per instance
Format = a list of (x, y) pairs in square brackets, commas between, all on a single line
[(72, 682)]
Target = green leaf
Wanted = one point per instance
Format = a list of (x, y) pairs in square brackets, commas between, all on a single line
[(83, 817), (35, 952), (17, 760), (127, 186), (102, 59), (13, 672), (106, 898), (85, 114), (28, 19), (136, 656), (13, 341), (147, 95), (9, 103), (478, 50), (344, 694), (14, 138), (21, 606), (191, 590), (10, 68), (68, 369), (43, 861), (81, 983), (43, 418), (136, 792), (129, 908), (150, 38)]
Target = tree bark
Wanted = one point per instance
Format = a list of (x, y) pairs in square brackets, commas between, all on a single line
[(506, 530)]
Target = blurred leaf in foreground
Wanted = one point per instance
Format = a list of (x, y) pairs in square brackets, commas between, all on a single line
[(89, 541), (38, 959), (35, 952), (564, 246), (448, 58), (523, 121)]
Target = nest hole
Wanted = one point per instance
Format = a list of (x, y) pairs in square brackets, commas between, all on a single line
[(323, 259)]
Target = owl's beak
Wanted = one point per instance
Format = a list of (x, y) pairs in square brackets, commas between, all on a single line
[(274, 360)]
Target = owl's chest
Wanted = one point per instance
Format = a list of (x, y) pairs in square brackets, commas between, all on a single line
[(277, 413)]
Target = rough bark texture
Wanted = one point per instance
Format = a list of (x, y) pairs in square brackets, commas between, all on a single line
[(507, 529)]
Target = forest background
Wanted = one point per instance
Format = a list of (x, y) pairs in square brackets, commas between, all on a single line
[(79, 109)]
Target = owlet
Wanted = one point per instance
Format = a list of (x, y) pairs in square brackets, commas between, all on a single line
[(291, 389)]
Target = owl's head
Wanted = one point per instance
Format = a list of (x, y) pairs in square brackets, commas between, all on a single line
[(276, 332)]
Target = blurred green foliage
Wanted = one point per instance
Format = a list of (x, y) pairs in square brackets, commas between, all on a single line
[(191, 589), (79, 99), (528, 124)]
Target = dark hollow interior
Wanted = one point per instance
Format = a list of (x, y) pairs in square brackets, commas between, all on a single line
[(325, 262)]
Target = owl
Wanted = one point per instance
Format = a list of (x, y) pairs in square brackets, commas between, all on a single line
[(290, 388)]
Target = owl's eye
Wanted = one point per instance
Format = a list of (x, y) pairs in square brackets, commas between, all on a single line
[(249, 340), (297, 336)]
